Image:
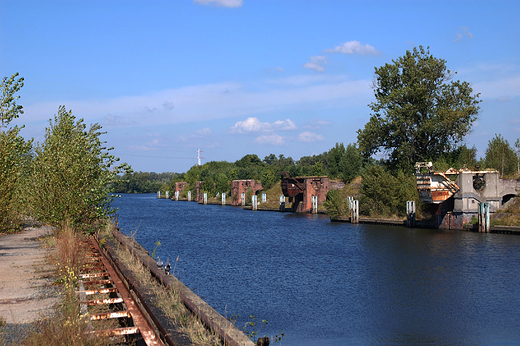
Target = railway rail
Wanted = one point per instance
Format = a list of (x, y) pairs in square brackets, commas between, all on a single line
[(106, 296)]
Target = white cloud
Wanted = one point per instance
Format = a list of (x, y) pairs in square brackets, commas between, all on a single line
[(203, 132), (316, 62), (353, 47), (501, 89), (252, 124), (317, 123), (465, 32), (220, 3), (279, 69), (310, 137), (270, 139)]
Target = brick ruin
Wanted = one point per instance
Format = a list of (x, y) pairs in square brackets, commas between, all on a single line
[(242, 186), (300, 191)]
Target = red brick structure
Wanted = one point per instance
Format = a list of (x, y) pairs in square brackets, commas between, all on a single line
[(179, 186), (301, 189), (198, 191), (242, 186)]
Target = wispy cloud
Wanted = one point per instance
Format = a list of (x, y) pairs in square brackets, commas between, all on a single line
[(316, 62), (353, 47), (465, 33), (252, 124), (310, 137), (221, 3), (273, 139), (202, 132)]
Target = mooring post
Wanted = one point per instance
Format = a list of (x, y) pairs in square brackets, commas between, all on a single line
[(410, 213), (264, 197), (223, 198), (167, 194), (158, 194), (176, 195), (243, 199), (189, 196), (255, 202), (480, 214), (354, 212), (205, 198), (488, 223), (315, 204)]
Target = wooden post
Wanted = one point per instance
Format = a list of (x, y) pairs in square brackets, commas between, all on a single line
[(243, 199), (189, 196), (354, 212), (223, 198), (205, 198)]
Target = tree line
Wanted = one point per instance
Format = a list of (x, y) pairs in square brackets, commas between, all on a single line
[(419, 114)]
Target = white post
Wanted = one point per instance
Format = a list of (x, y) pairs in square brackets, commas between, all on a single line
[(205, 198), (488, 223), (243, 199), (354, 212), (264, 198), (189, 196), (254, 199), (314, 204), (167, 194), (158, 194), (223, 198), (176, 195)]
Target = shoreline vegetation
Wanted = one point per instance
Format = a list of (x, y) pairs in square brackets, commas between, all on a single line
[(67, 180)]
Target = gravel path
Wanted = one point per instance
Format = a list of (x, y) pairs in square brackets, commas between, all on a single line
[(26, 291)]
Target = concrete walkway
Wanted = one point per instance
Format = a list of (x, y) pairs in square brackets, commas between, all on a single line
[(26, 290)]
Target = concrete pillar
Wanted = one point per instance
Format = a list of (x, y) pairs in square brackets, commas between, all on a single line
[(264, 198), (176, 195), (243, 199), (223, 198), (167, 194), (205, 198), (189, 196), (158, 194), (254, 200)]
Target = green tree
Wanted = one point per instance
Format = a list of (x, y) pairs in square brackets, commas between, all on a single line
[(500, 156), (351, 164), (419, 114), (14, 155), (9, 110), (71, 173), (336, 204), (336, 160)]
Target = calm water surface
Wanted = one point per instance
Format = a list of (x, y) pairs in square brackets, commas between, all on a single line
[(328, 283)]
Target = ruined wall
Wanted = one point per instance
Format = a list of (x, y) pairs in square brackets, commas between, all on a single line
[(242, 186), (179, 186), (312, 186), (198, 191)]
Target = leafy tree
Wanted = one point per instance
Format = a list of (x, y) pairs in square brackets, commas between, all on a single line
[(352, 163), (517, 149), (9, 110), (419, 114), (71, 173), (336, 204), (500, 156), (14, 155), (335, 160)]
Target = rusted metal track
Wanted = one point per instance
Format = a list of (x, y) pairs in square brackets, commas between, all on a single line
[(101, 278)]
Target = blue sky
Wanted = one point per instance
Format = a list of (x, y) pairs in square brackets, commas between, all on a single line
[(233, 77)]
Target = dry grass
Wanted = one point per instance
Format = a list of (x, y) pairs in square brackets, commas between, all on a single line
[(169, 302), (67, 326), (509, 216)]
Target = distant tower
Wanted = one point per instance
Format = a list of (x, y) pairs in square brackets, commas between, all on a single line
[(199, 157)]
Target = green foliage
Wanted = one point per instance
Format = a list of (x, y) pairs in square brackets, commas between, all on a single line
[(336, 204), (253, 327), (13, 161), (144, 182), (14, 155), (344, 163), (418, 114), (459, 158), (71, 173), (382, 194), (500, 156), (9, 110)]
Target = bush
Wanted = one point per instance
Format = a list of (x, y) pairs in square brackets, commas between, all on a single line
[(336, 205), (71, 173)]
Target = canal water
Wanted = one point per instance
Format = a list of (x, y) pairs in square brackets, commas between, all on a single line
[(326, 283)]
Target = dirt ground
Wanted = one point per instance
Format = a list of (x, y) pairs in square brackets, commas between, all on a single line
[(26, 291)]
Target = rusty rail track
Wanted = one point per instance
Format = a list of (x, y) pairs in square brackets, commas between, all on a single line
[(114, 300)]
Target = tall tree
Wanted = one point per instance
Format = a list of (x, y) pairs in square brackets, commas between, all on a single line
[(419, 113), (500, 156)]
